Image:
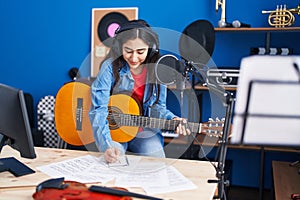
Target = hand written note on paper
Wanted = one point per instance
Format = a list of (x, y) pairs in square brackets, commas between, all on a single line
[(153, 177), (122, 161)]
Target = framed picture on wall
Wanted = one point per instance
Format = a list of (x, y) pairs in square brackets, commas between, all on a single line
[(104, 23)]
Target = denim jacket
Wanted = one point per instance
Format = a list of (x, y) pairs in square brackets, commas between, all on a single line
[(100, 93)]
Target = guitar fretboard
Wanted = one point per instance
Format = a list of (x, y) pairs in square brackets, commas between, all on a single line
[(150, 122)]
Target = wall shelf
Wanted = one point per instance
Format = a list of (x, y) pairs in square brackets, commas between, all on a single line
[(266, 30), (259, 29)]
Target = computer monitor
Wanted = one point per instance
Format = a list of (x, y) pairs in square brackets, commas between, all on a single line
[(15, 129)]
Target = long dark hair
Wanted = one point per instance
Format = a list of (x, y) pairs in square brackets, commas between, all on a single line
[(135, 29)]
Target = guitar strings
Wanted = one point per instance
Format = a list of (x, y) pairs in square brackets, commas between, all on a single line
[(137, 120)]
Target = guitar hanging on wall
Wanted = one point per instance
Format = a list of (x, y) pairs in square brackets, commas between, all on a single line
[(72, 105)]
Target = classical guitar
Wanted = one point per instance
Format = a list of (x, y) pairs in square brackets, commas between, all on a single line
[(72, 105)]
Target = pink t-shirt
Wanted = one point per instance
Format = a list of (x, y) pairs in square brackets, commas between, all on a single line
[(139, 85)]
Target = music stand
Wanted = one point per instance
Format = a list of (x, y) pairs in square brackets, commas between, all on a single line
[(268, 120), (267, 110), (267, 102)]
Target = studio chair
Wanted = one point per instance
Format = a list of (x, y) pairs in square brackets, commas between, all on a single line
[(37, 135), (46, 124)]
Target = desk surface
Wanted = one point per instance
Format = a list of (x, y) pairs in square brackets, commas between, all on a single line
[(286, 179), (23, 187)]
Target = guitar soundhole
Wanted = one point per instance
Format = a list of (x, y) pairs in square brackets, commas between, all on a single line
[(113, 117)]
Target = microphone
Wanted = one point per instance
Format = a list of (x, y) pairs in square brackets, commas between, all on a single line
[(223, 24), (238, 24)]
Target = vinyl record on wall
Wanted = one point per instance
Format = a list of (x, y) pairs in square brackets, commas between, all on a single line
[(104, 23), (108, 25)]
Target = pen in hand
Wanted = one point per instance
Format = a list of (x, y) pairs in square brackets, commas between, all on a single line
[(111, 154)]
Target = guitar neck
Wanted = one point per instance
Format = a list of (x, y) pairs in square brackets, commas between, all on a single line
[(149, 122)]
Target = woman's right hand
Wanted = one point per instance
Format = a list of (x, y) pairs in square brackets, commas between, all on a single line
[(111, 155)]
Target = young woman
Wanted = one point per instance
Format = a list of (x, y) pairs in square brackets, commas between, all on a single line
[(129, 67)]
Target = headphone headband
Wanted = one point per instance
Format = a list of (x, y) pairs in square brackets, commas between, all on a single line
[(138, 25), (130, 25)]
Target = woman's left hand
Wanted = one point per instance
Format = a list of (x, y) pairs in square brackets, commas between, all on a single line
[(181, 128)]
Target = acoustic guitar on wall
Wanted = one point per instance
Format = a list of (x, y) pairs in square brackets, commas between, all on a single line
[(72, 106)]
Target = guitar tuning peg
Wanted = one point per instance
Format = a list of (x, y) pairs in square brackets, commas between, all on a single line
[(210, 119), (210, 133), (223, 119), (217, 119)]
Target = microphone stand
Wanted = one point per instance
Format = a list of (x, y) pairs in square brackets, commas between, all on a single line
[(183, 70), (180, 85), (222, 145), (228, 100), (181, 78)]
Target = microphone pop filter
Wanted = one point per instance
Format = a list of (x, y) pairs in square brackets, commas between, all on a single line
[(165, 69)]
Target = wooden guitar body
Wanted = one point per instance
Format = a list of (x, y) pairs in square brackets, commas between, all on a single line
[(72, 105)]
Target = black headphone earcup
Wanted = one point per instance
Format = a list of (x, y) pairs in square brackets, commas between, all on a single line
[(152, 51)]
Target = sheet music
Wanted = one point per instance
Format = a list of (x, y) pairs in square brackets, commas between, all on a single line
[(145, 174), (85, 169), (267, 100), (177, 182), (153, 177)]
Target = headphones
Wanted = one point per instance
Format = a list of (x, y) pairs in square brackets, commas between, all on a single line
[(153, 48)]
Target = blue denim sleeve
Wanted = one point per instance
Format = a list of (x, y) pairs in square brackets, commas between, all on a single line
[(100, 94)]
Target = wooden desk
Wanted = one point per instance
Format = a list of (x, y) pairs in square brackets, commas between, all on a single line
[(286, 180), (23, 187)]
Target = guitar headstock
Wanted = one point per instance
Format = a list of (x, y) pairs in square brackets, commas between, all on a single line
[(213, 128)]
